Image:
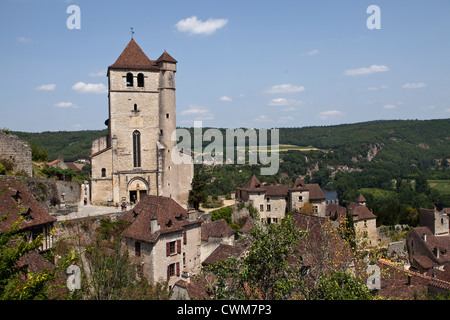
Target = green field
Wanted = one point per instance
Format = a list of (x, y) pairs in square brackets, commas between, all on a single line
[(443, 186)]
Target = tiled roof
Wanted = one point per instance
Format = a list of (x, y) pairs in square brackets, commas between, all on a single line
[(253, 184), (15, 199), (280, 190), (166, 57), (399, 283), (170, 216), (225, 251), (132, 57), (360, 212), (216, 229), (315, 192)]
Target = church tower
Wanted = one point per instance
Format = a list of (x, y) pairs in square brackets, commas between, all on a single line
[(135, 158)]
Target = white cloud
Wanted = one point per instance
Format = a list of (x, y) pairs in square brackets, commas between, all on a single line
[(285, 88), (97, 74), (447, 110), (362, 71), (262, 118), (225, 98), (23, 40), (325, 115), (429, 108), (66, 105), (311, 53), (193, 25), (284, 102), (46, 87), (414, 85), (193, 109), (82, 87), (389, 106), (200, 113)]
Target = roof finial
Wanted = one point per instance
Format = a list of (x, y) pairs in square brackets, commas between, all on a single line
[(132, 32)]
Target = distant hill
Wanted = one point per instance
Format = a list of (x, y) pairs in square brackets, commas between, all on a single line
[(71, 144), (390, 140)]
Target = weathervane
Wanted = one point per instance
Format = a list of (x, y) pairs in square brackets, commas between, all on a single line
[(132, 32)]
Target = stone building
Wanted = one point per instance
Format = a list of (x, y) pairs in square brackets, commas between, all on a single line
[(364, 220), (274, 201), (135, 158), (16, 202), (17, 152), (163, 239)]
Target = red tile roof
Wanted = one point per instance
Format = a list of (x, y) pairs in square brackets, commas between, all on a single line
[(216, 229), (166, 57), (16, 200), (170, 216), (132, 57)]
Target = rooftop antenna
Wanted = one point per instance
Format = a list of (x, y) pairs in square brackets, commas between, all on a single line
[(132, 32)]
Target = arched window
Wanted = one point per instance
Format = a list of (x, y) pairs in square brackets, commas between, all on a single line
[(140, 79), (129, 79), (103, 172), (136, 149), (135, 107)]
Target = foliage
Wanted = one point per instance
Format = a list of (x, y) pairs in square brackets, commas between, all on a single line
[(72, 145), (38, 153), (342, 286), (197, 194), (16, 282), (111, 275), (265, 272)]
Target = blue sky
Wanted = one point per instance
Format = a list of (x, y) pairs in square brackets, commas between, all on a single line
[(246, 63)]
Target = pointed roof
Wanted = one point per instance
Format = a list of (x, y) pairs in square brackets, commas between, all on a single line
[(360, 198), (166, 57), (132, 57), (253, 184), (299, 185)]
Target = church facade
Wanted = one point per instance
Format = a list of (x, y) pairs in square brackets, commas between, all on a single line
[(134, 159)]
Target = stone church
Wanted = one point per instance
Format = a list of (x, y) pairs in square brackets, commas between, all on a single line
[(134, 159)]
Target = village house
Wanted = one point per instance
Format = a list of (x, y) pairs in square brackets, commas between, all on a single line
[(429, 245), (213, 234), (274, 201), (364, 220), (163, 239), (60, 163), (18, 203)]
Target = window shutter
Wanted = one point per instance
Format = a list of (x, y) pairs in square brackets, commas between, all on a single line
[(168, 272), (185, 237), (167, 249), (178, 246), (178, 269)]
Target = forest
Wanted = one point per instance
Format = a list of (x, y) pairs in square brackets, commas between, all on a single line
[(390, 162)]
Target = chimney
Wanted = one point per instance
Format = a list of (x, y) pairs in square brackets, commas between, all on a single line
[(424, 237)]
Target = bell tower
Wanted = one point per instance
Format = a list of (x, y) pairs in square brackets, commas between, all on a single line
[(135, 158)]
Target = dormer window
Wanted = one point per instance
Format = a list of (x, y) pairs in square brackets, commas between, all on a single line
[(27, 215), (16, 196), (168, 223), (129, 79)]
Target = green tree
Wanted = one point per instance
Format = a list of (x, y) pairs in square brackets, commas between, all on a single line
[(198, 193), (342, 286), (16, 282), (265, 272)]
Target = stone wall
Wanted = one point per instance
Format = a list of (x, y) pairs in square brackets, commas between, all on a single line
[(16, 150), (48, 191)]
